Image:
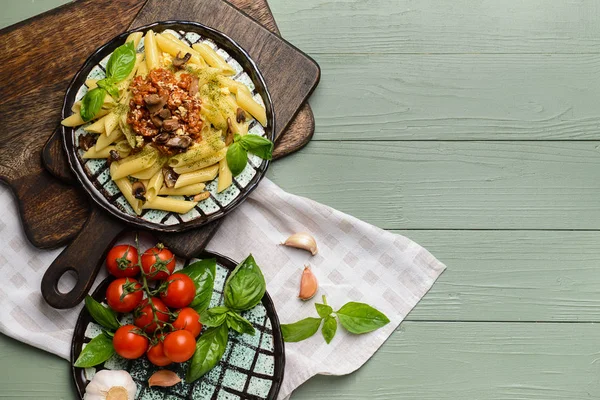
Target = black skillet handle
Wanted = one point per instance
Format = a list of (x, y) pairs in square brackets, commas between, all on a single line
[(85, 256)]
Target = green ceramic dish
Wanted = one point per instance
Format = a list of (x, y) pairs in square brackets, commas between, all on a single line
[(252, 367)]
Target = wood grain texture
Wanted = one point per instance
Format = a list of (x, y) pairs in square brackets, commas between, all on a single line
[(512, 276), (28, 56), (432, 26), (421, 360), (458, 97), (452, 185)]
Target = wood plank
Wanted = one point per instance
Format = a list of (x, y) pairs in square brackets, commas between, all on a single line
[(430, 26), (422, 360), (457, 97), (512, 276), (452, 185), (437, 361)]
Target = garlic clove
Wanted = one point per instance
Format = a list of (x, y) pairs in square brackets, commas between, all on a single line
[(308, 284), (164, 378), (303, 241)]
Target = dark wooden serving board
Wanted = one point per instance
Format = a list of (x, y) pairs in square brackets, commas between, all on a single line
[(68, 209)]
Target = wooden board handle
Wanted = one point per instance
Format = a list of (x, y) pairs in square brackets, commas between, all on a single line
[(95, 239)]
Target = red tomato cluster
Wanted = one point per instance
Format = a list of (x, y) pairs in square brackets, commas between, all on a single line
[(164, 329)]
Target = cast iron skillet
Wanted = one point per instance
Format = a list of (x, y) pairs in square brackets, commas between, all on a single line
[(278, 352), (107, 220)]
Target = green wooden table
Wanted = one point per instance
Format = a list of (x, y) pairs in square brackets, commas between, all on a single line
[(471, 126)]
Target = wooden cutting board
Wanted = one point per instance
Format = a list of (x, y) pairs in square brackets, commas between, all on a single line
[(53, 213), (289, 87)]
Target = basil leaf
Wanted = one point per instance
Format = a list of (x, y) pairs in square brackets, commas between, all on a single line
[(245, 287), (96, 352), (121, 62), (300, 330), (109, 85), (215, 316), (203, 274), (258, 145), (102, 315), (92, 103), (329, 328), (237, 158), (361, 318), (323, 309), (239, 323), (210, 347)]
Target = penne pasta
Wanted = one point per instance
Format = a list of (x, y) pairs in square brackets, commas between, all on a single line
[(91, 83), (96, 127), (151, 50), (111, 120), (125, 187), (104, 141), (135, 37), (169, 204), (199, 151), (202, 175), (212, 58), (189, 190), (154, 186), (225, 177), (149, 172), (134, 164), (246, 102), (203, 163), (174, 47), (94, 153)]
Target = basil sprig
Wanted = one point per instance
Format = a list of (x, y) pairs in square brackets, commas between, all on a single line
[(102, 315), (237, 153), (356, 318), (244, 289), (96, 352), (119, 66), (210, 347), (203, 274)]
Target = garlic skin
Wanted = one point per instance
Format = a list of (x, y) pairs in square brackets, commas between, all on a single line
[(110, 385), (164, 378), (302, 240), (308, 284)]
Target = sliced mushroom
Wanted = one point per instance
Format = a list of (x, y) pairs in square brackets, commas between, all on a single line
[(229, 136), (240, 115), (193, 86), (138, 190), (86, 142), (179, 62), (156, 121), (170, 125), (165, 113), (179, 142), (162, 138), (154, 102), (170, 177), (113, 155)]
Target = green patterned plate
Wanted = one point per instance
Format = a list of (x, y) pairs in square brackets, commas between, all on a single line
[(252, 367)]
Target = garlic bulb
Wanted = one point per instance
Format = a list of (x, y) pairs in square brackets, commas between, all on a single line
[(110, 385), (303, 241)]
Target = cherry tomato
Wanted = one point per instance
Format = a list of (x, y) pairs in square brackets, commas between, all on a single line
[(130, 301), (180, 291), (157, 263), (128, 344), (179, 346), (122, 261), (156, 355), (189, 320), (145, 316)]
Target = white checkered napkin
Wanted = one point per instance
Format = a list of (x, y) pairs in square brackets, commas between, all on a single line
[(356, 262)]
